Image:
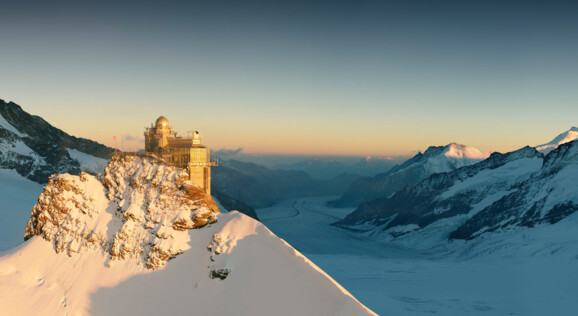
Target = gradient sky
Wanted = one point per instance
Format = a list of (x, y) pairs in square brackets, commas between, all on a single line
[(298, 77)]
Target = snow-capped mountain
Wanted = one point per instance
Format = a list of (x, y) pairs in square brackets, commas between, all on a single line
[(435, 159), (36, 149), (563, 138), (518, 189), (140, 239)]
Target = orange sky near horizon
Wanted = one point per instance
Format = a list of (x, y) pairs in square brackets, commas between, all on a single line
[(307, 137)]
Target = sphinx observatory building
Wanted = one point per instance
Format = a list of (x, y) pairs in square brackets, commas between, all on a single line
[(184, 152)]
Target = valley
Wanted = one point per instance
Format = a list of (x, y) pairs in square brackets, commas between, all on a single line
[(523, 276)]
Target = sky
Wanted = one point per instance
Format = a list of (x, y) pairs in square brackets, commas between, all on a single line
[(298, 77)]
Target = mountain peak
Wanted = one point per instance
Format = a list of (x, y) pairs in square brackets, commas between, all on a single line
[(563, 138), (462, 151)]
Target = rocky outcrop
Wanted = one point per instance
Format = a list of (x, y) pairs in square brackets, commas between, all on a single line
[(137, 209)]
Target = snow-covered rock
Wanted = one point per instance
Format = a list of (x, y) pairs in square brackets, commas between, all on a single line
[(136, 209)]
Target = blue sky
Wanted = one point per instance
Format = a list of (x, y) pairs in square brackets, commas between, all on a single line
[(323, 77)]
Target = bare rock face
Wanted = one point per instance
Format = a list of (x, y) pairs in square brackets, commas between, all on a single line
[(137, 209)]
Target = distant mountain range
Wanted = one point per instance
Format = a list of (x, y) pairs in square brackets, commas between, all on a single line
[(434, 160), (320, 168), (259, 186), (523, 188)]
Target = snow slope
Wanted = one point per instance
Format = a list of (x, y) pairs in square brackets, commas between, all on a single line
[(17, 197), (88, 162), (563, 138), (266, 277), (125, 243)]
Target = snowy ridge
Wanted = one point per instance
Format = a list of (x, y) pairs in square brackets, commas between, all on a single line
[(137, 209), (452, 157), (563, 138), (88, 162), (463, 151)]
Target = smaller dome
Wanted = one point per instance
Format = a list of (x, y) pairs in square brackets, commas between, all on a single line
[(162, 122)]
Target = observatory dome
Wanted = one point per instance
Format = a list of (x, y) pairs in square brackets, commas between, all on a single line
[(162, 122)]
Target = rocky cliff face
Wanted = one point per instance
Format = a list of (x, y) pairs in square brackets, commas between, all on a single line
[(138, 208), (36, 149)]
